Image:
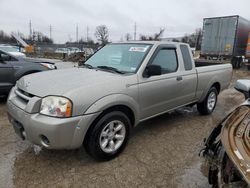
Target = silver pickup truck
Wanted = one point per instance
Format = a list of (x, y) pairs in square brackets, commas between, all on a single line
[(97, 104)]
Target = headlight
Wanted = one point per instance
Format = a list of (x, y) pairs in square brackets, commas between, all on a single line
[(56, 106), (48, 65)]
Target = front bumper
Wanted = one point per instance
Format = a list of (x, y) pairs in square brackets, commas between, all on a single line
[(50, 132)]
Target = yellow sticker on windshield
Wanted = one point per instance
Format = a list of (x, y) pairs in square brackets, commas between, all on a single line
[(138, 49)]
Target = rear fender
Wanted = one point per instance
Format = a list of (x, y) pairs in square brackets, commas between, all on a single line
[(209, 85)]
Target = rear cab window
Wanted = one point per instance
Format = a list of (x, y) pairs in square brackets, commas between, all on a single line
[(188, 65)]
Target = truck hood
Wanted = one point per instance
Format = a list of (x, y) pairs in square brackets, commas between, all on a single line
[(18, 54), (66, 81), (34, 60)]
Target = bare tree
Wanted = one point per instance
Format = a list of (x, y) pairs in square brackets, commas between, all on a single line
[(102, 34), (193, 39), (198, 33), (186, 39), (128, 37), (5, 38), (158, 35), (155, 36)]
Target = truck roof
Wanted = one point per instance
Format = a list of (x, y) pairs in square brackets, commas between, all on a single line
[(221, 17), (232, 16), (150, 42)]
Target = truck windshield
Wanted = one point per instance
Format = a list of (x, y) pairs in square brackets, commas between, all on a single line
[(124, 58)]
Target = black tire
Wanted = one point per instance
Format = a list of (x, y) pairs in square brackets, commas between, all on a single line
[(239, 62), (92, 140), (203, 106), (233, 62)]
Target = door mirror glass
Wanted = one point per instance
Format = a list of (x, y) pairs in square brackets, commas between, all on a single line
[(152, 70), (4, 57)]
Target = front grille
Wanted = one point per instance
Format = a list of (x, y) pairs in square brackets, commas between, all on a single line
[(26, 93), (23, 95)]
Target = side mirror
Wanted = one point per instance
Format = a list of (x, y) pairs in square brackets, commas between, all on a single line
[(152, 70), (1, 59), (243, 86), (4, 58)]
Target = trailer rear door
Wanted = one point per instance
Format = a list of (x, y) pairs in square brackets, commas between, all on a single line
[(219, 35)]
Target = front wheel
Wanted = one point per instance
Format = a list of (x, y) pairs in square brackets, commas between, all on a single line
[(207, 106), (109, 136)]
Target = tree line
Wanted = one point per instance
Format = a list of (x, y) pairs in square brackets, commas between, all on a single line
[(193, 39), (102, 36), (36, 37)]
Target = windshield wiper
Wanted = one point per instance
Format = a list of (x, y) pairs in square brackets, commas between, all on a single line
[(111, 69), (87, 66)]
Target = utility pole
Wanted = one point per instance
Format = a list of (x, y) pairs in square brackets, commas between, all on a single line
[(135, 28), (30, 28), (70, 39), (76, 32), (87, 34), (50, 32)]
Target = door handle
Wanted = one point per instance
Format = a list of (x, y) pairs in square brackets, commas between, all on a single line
[(179, 78)]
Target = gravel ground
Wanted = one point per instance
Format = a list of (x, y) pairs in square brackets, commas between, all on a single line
[(162, 152)]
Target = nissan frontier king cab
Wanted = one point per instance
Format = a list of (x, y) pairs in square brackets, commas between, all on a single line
[(97, 104)]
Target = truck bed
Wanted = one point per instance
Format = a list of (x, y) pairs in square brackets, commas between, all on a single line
[(202, 63)]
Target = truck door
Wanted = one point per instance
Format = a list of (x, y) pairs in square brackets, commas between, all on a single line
[(6, 73), (163, 92)]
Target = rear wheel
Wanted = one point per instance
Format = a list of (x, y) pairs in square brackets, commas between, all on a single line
[(109, 136), (236, 62), (207, 106)]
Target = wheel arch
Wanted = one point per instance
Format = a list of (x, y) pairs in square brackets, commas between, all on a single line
[(119, 102), (122, 108), (217, 86), (213, 83)]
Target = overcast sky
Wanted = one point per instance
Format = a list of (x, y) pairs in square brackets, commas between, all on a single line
[(176, 16)]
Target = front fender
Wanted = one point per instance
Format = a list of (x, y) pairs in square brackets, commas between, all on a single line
[(114, 100)]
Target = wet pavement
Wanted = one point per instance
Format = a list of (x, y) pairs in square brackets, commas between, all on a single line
[(162, 152)]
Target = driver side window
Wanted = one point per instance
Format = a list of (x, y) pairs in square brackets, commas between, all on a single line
[(167, 59)]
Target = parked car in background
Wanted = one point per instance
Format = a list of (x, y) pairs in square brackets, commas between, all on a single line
[(13, 68), (72, 50), (13, 50), (121, 85), (88, 51), (62, 50), (68, 51)]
